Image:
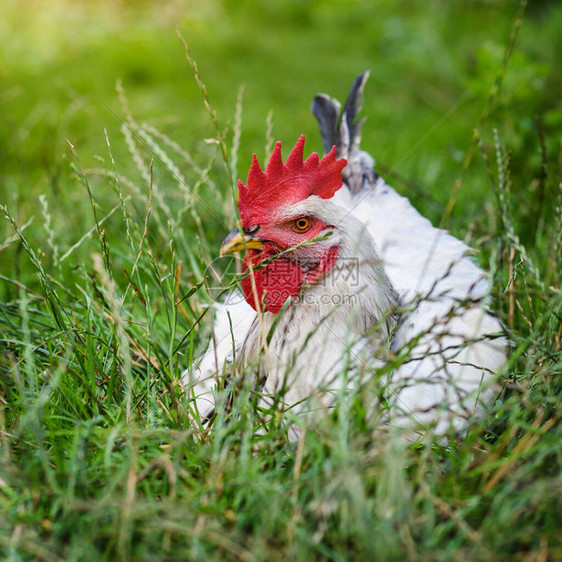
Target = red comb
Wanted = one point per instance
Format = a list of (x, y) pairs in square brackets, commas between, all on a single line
[(285, 183)]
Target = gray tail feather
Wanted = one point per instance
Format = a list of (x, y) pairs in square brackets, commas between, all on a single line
[(344, 131)]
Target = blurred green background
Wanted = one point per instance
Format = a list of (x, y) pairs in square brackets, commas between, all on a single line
[(433, 66)]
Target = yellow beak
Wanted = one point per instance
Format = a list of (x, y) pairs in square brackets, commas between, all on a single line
[(236, 242)]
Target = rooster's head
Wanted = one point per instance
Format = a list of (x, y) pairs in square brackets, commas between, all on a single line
[(286, 224)]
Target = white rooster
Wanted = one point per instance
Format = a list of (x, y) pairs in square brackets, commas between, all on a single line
[(344, 282)]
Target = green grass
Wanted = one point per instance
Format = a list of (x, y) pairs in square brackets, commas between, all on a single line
[(115, 202)]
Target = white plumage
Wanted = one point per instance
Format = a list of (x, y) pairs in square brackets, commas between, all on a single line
[(399, 286)]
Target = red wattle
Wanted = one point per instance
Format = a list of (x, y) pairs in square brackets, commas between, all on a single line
[(280, 279)]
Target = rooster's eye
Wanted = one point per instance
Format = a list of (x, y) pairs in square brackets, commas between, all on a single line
[(302, 224)]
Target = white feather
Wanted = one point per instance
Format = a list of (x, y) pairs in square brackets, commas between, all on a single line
[(455, 356)]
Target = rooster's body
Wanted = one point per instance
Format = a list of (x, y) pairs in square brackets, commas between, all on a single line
[(352, 277)]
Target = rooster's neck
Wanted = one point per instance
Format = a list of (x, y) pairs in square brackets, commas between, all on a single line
[(351, 307)]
